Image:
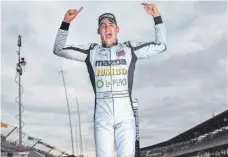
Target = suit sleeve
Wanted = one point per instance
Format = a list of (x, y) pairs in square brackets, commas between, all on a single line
[(144, 50), (72, 52)]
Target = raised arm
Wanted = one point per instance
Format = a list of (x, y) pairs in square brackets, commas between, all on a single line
[(72, 52), (146, 49)]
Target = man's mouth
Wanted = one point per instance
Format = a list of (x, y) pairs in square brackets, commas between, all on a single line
[(108, 35)]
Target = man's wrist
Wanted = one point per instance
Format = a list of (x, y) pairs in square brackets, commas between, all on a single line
[(158, 20), (65, 25)]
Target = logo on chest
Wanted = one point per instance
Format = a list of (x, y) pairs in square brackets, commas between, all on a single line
[(110, 72), (120, 53), (111, 62)]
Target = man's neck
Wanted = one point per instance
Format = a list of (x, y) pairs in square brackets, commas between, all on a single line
[(109, 45)]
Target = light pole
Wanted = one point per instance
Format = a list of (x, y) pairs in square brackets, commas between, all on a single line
[(68, 107), (21, 62), (80, 140)]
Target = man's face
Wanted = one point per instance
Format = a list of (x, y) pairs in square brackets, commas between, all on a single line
[(108, 31)]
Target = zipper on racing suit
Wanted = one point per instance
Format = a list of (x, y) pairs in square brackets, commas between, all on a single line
[(111, 85)]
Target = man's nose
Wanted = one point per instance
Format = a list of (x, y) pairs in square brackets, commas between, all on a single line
[(107, 28)]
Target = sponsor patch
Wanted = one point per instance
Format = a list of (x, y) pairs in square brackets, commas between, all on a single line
[(120, 53), (109, 72), (114, 83), (111, 62)]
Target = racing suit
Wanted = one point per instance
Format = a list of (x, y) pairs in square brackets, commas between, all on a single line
[(111, 71)]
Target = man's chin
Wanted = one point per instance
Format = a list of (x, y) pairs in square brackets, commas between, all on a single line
[(109, 42)]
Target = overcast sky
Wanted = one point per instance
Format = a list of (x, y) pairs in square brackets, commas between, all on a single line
[(177, 89)]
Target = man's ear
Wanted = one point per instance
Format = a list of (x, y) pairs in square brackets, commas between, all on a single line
[(98, 32), (117, 29)]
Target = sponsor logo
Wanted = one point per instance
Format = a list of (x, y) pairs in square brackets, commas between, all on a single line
[(107, 16), (102, 50), (109, 72), (103, 53), (120, 53), (112, 94), (136, 124), (114, 83), (111, 62), (100, 83)]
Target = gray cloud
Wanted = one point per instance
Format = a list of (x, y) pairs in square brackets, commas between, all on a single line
[(208, 7), (187, 67)]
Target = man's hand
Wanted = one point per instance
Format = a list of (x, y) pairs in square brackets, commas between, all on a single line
[(71, 14), (151, 9)]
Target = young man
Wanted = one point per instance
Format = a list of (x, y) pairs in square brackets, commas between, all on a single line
[(111, 69)]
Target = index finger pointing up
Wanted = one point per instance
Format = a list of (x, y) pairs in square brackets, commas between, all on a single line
[(80, 9)]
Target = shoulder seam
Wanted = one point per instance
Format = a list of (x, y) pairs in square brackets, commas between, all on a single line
[(92, 45), (145, 44)]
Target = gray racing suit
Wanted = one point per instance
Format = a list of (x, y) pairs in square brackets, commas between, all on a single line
[(111, 71)]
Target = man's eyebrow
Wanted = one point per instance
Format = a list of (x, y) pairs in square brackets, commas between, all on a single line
[(110, 23)]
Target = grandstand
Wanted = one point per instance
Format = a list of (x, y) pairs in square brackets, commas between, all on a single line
[(208, 139), (32, 147)]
